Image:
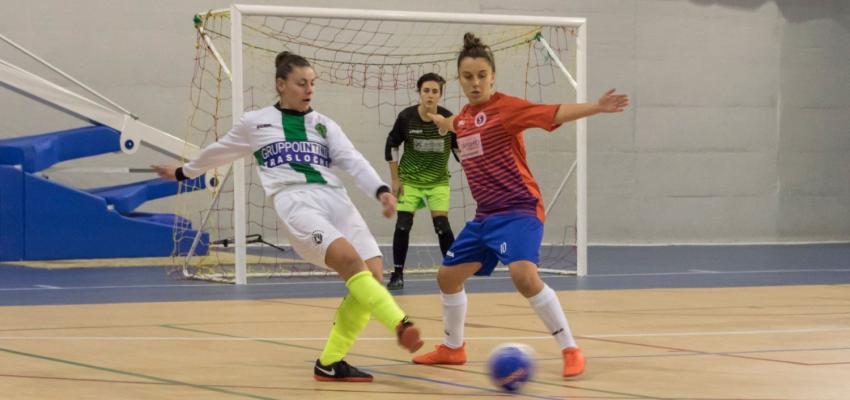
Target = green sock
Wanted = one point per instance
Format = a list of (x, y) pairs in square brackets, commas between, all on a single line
[(351, 318), (374, 297)]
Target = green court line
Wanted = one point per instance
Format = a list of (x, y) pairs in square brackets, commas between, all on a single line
[(206, 323), (135, 375), (373, 357), (180, 328)]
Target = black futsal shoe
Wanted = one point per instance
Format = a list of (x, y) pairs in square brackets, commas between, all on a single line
[(396, 281), (339, 371)]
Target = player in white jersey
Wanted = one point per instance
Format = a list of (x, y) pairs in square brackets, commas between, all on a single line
[(295, 148)]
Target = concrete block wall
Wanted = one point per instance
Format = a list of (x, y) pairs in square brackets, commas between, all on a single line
[(739, 128)]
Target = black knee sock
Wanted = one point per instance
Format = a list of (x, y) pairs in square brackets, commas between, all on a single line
[(444, 233), (401, 238), (446, 240)]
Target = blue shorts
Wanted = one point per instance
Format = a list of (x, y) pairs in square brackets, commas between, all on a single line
[(504, 238)]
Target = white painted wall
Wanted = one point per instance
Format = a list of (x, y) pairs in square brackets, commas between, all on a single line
[(739, 129)]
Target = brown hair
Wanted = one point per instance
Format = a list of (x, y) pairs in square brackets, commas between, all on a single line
[(285, 62), (429, 77), (473, 47)]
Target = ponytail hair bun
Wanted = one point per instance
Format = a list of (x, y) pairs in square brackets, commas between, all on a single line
[(285, 62), (473, 47)]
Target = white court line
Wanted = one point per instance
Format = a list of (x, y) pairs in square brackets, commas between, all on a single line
[(719, 333), (325, 282), (482, 338), (741, 272), (24, 289), (47, 287)]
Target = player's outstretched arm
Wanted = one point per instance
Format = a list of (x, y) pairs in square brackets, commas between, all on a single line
[(232, 146), (610, 102)]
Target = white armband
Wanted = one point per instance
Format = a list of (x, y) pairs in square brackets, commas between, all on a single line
[(394, 153)]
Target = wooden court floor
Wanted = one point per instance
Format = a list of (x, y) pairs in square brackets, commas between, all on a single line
[(787, 342)]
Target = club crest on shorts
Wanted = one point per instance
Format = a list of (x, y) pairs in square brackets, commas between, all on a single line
[(480, 119), (317, 237)]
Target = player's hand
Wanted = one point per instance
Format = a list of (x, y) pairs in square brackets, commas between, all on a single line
[(611, 102), (388, 202), (396, 187), (444, 124), (165, 171)]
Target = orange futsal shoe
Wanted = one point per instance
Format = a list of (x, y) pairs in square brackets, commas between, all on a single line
[(573, 361), (443, 354), (408, 335)]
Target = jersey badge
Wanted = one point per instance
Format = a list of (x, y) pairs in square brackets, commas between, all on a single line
[(322, 130), (480, 119)]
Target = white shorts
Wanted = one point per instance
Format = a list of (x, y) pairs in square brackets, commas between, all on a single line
[(317, 216)]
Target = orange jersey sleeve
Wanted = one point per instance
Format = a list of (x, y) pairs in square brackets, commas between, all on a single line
[(521, 114)]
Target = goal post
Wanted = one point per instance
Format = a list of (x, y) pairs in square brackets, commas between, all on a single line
[(373, 57)]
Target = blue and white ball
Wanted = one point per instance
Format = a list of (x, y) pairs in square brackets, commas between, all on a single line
[(510, 365)]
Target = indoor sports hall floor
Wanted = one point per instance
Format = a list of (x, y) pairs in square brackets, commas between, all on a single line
[(754, 322)]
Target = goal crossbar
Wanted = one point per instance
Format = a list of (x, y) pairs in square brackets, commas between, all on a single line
[(578, 80)]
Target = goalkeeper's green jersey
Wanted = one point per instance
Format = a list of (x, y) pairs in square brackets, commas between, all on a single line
[(424, 161)]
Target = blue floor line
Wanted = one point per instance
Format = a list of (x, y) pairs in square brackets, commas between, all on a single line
[(461, 385), (611, 268)]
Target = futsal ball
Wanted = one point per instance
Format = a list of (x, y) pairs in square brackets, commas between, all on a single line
[(510, 365)]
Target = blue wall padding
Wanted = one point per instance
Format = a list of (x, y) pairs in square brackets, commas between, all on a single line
[(11, 213), (66, 223), (39, 152), (125, 198), (181, 229), (45, 220)]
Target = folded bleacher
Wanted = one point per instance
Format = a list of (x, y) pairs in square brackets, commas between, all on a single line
[(41, 219)]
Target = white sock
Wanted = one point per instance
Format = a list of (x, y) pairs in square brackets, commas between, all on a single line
[(548, 308), (454, 315)]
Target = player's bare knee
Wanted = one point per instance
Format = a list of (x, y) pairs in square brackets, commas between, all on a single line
[(524, 287), (448, 282), (342, 258), (527, 282), (376, 266)]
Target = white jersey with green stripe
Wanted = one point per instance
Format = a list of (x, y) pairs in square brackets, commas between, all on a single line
[(291, 148)]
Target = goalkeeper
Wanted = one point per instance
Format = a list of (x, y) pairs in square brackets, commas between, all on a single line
[(421, 178)]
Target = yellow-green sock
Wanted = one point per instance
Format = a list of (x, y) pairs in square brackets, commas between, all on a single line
[(351, 318), (374, 297)]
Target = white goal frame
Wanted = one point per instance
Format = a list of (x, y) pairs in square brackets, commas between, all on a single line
[(579, 80)]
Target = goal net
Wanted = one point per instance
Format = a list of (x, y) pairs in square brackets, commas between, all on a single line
[(367, 64)]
